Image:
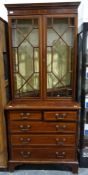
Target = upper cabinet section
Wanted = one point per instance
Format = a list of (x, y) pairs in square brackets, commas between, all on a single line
[(43, 54)]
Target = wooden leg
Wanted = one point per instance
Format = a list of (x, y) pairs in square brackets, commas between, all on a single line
[(75, 169), (11, 167)]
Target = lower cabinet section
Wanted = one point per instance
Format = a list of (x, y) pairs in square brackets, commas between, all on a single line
[(42, 137), (58, 154)]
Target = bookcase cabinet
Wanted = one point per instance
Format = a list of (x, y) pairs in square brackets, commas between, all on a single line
[(42, 117)]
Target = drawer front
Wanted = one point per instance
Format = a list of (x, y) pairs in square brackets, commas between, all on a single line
[(24, 115), (44, 140), (23, 154), (60, 115), (41, 127)]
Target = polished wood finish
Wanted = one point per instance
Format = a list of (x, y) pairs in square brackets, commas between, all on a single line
[(43, 154), (3, 95), (43, 129), (25, 115), (43, 140), (62, 105), (59, 115), (43, 8), (33, 127)]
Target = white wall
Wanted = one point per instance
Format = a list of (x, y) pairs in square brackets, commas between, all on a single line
[(83, 12), (3, 11)]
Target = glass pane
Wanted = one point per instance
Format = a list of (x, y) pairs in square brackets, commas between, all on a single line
[(17, 38), (58, 25), (51, 40), (15, 55), (59, 57), (36, 60), (68, 37), (25, 53), (33, 38), (25, 36)]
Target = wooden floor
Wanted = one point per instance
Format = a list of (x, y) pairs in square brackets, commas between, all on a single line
[(82, 171)]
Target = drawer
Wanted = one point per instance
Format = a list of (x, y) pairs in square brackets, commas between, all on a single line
[(44, 140), (23, 154), (41, 127), (24, 115), (60, 115)]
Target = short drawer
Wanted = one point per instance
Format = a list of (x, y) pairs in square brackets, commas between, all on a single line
[(24, 115), (23, 154), (41, 127), (60, 115), (43, 140)]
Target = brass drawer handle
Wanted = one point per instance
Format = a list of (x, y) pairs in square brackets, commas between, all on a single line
[(25, 154), (64, 126), (61, 127), (22, 114), (64, 139), (60, 154), (25, 140), (57, 127), (28, 114), (25, 128), (25, 116), (60, 116), (58, 142)]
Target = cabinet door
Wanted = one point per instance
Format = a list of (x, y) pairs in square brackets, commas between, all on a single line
[(60, 56), (26, 53)]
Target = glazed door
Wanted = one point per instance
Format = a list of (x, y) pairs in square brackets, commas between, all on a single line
[(26, 57), (60, 57), (43, 57)]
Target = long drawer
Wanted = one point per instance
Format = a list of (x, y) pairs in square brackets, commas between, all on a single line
[(26, 154), (41, 127), (45, 140), (60, 115), (24, 115)]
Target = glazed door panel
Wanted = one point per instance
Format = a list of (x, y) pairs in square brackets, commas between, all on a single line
[(60, 54), (26, 53)]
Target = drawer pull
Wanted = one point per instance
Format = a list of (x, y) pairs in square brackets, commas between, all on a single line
[(64, 126), (64, 139), (58, 142), (28, 114), (57, 127), (60, 127), (25, 128), (25, 140), (24, 116), (60, 116), (60, 154), (25, 154)]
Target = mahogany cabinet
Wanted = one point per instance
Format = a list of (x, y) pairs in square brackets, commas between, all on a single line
[(42, 117)]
